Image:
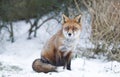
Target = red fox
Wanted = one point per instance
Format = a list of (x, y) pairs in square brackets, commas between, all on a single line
[(59, 49)]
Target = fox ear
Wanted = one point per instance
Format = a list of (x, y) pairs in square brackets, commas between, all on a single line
[(64, 18), (78, 18)]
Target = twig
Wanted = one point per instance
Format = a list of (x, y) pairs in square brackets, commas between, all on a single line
[(77, 6)]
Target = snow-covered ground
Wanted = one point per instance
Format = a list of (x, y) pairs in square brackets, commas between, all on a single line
[(17, 58)]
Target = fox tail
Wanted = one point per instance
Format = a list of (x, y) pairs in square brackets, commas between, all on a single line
[(39, 66)]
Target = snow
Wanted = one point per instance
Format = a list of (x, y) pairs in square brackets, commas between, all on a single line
[(17, 58)]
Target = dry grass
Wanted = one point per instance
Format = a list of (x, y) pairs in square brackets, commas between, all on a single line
[(105, 26)]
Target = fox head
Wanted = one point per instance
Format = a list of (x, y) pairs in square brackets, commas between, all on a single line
[(71, 27)]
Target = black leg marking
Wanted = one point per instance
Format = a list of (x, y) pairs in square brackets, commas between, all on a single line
[(69, 65)]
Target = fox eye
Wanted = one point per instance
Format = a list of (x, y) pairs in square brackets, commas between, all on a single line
[(74, 28), (67, 28)]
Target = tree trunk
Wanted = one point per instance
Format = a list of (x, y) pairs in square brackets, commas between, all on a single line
[(11, 33)]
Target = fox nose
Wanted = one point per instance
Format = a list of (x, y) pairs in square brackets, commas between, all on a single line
[(69, 34)]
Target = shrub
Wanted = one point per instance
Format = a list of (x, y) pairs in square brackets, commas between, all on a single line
[(105, 26)]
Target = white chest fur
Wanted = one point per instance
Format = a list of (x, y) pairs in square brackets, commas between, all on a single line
[(68, 45)]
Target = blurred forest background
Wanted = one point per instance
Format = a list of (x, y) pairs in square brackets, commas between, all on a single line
[(105, 20)]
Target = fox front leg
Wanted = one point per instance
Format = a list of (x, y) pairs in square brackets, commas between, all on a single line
[(67, 65), (67, 61)]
